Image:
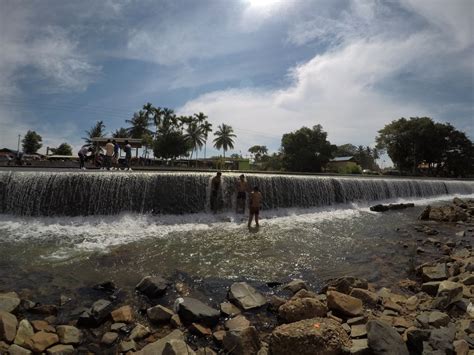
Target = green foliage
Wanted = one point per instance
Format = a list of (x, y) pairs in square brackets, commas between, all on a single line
[(364, 156), (306, 149), (224, 137), (121, 133), (97, 130), (258, 152), (139, 125), (171, 145), (350, 168), (31, 142), (345, 150), (63, 149)]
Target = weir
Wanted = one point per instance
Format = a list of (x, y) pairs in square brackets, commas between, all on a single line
[(103, 193)]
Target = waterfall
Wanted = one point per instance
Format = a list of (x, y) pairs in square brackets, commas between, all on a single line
[(101, 193)]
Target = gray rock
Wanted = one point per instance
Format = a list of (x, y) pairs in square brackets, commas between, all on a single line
[(367, 297), (117, 326), (438, 319), (245, 296), (360, 347), (177, 347), (109, 338), (358, 331), (301, 308), (434, 273), (8, 324), (24, 333), (96, 314), (442, 339), (229, 310), (159, 314), (345, 284), (448, 293), (153, 286), (69, 334), (192, 310), (384, 339), (9, 301), (237, 322), (431, 287), (61, 349), (15, 349), (139, 332), (127, 345), (242, 341), (295, 285), (415, 339), (158, 346)]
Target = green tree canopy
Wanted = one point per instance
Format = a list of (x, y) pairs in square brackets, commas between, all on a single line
[(224, 138), (31, 142), (121, 133), (97, 130), (171, 145), (306, 149), (258, 151), (139, 125), (62, 149)]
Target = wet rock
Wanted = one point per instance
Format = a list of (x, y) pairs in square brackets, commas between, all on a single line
[(434, 273), (8, 325), (460, 203), (175, 321), (390, 207), (128, 345), (438, 319), (24, 333), (415, 339), (40, 341), (9, 301), (461, 347), (177, 347), (106, 286), (275, 302), (192, 310), (96, 314), (442, 339), (45, 309), (245, 296), (384, 339), (345, 304), (358, 331), (366, 296), (242, 341), (431, 287), (139, 332), (199, 329), (61, 349), (308, 294), (448, 293), (159, 314), (425, 214), (153, 286), (447, 214), (69, 334), (229, 310), (295, 285), (301, 308), (345, 284), (117, 326), (205, 351), (237, 322), (158, 346), (123, 314), (218, 336), (18, 350), (309, 337), (109, 338)]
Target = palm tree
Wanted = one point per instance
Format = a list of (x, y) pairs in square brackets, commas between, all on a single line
[(97, 130), (139, 128), (168, 120), (157, 119), (206, 128), (194, 136), (224, 136), (120, 133)]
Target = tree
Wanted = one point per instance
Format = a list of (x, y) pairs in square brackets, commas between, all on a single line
[(63, 149), (170, 145), (121, 133), (194, 137), (345, 150), (306, 149), (258, 151), (206, 127), (98, 131), (31, 142), (140, 123), (224, 135)]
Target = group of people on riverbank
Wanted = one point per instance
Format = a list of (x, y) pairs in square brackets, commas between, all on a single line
[(242, 189), (109, 160)]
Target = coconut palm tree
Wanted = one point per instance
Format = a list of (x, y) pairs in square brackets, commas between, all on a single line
[(97, 130), (120, 133), (157, 119), (194, 136), (224, 135), (168, 120), (139, 129)]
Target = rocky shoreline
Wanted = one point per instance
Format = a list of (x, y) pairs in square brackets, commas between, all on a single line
[(432, 312)]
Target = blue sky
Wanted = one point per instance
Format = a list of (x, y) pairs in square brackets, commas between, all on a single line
[(266, 67)]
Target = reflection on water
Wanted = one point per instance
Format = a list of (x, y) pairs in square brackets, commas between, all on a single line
[(315, 244)]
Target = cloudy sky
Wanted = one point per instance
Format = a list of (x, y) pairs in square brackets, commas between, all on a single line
[(265, 67)]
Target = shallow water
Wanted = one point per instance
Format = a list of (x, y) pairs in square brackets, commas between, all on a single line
[(49, 255)]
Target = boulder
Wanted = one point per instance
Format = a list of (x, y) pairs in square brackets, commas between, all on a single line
[(40, 341), (153, 286), (425, 214), (229, 310), (308, 294), (275, 302), (447, 214), (61, 349), (177, 347), (200, 330), (448, 293), (237, 322), (366, 296), (438, 319), (109, 338), (69, 334), (345, 304), (434, 273), (384, 339), (460, 203), (295, 285), (40, 325), (242, 341), (159, 314), (442, 339), (96, 314), (24, 333), (9, 301), (15, 349), (358, 331), (128, 345), (309, 337), (431, 287), (139, 332), (8, 324), (245, 296), (123, 314), (345, 284), (192, 310), (301, 308), (158, 346), (461, 347), (415, 339)]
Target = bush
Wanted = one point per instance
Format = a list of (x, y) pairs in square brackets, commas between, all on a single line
[(350, 168)]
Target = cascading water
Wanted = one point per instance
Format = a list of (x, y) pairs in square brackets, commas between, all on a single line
[(102, 193)]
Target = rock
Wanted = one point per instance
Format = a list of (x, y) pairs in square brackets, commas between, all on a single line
[(159, 314), (45, 309), (309, 337), (415, 339), (461, 347), (301, 308), (358, 331), (434, 273), (206, 351), (468, 280), (447, 214), (241, 341), (139, 332), (245, 296), (153, 286), (308, 294), (176, 321), (40, 325), (360, 347), (192, 310), (448, 293), (200, 330), (8, 324), (345, 284), (9, 301), (218, 336), (158, 346), (461, 234), (3, 347), (438, 319), (366, 296), (127, 345), (412, 303), (442, 339), (389, 304), (275, 302), (400, 322), (295, 285), (347, 305), (123, 314), (100, 310), (24, 333), (69, 334), (177, 347), (15, 349), (40, 341), (394, 206), (431, 287), (384, 339), (61, 349), (117, 326), (229, 310), (109, 338), (425, 214), (460, 203), (357, 320), (237, 322)]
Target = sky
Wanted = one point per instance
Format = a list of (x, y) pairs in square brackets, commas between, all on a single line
[(265, 67)]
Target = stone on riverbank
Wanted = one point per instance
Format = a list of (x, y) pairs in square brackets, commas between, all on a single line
[(15, 349), (69, 334), (367, 297), (109, 338), (295, 285), (40, 341), (158, 346), (123, 314), (9, 301), (159, 314), (8, 325), (153, 286), (301, 308), (384, 339), (245, 296), (237, 322), (437, 272), (24, 333), (177, 347), (345, 304), (309, 337), (448, 293), (61, 349), (229, 310), (242, 341), (345, 284), (192, 310)]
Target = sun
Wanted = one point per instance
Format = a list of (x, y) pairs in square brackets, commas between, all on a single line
[(262, 3)]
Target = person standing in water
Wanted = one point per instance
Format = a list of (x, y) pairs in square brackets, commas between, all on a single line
[(242, 189), (128, 155), (255, 204), (215, 191)]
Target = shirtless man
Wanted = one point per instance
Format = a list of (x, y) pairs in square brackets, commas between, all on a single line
[(109, 153), (215, 189), (255, 203), (242, 189)]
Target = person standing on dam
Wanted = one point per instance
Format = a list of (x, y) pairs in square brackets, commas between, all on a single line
[(255, 204), (82, 156), (128, 155), (242, 189), (109, 153), (216, 192)]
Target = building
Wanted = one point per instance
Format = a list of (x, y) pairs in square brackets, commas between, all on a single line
[(343, 165)]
